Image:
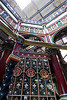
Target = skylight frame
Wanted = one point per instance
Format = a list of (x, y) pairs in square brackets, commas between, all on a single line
[(23, 4)]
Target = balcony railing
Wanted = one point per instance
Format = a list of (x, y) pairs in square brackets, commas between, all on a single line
[(29, 28)]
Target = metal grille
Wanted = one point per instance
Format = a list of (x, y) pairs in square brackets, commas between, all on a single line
[(32, 80)]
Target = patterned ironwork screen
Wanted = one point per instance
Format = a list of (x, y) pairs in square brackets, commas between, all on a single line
[(32, 80)]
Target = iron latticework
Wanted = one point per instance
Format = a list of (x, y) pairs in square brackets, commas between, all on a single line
[(32, 80)]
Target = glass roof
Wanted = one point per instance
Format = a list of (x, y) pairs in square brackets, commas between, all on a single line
[(22, 3), (64, 54)]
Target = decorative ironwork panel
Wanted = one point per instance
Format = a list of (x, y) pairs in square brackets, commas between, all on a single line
[(32, 80)]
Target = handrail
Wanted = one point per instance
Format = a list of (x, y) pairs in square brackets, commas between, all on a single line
[(30, 42)]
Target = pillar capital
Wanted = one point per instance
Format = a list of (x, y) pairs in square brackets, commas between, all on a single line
[(17, 46), (51, 51), (63, 97)]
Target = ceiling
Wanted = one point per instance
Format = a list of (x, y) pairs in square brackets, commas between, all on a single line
[(40, 10)]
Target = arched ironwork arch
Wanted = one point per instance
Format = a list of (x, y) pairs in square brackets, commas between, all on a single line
[(58, 31), (39, 37)]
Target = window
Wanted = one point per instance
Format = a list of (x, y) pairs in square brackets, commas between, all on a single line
[(64, 54), (64, 40)]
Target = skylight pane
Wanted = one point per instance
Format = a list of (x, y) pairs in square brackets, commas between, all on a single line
[(63, 52), (22, 3), (65, 58), (64, 39)]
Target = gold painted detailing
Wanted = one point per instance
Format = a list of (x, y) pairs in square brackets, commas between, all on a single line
[(29, 42), (63, 97), (13, 57), (43, 44), (8, 31)]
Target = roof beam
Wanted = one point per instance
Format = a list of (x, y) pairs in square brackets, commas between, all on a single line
[(41, 9), (53, 10), (37, 9), (43, 44)]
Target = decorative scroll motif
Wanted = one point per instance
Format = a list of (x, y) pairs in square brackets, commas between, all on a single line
[(30, 72), (17, 72), (44, 74)]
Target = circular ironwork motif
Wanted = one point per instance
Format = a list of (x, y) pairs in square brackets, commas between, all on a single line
[(44, 73), (30, 72), (17, 72)]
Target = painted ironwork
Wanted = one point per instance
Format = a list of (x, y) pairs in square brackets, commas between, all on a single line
[(7, 80), (30, 85)]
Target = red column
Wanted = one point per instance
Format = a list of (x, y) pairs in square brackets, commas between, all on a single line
[(7, 48), (62, 86), (16, 49), (3, 62)]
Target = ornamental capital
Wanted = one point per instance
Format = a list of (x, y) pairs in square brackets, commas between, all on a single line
[(51, 51), (8, 44)]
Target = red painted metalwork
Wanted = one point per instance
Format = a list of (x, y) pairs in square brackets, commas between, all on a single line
[(3, 62), (44, 73), (30, 72), (59, 75), (16, 49), (10, 58), (55, 32), (26, 54), (17, 72), (30, 84)]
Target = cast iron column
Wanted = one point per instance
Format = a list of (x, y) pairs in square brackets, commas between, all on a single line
[(7, 48), (62, 86)]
